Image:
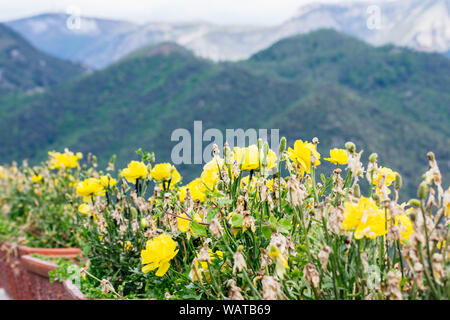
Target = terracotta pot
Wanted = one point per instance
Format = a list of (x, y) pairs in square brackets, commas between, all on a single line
[(14, 278), (13, 275), (72, 291), (38, 279)]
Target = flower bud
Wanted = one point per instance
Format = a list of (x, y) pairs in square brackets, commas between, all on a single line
[(282, 144), (350, 146), (315, 140), (373, 157), (144, 223), (414, 203), (220, 185), (398, 181), (134, 212), (377, 199), (423, 190), (266, 148), (430, 156), (356, 191), (260, 142)]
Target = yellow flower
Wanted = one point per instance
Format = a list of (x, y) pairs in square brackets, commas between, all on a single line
[(365, 218), (3, 173), (37, 178), (210, 178), (250, 158), (107, 181), (301, 155), (64, 160), (281, 262), (389, 178), (135, 170), (216, 164), (200, 268), (250, 187), (211, 172), (85, 209), (126, 246), (388, 173), (405, 225), (89, 188), (165, 172), (197, 190), (338, 156), (158, 253)]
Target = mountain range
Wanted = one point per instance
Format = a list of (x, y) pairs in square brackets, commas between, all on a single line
[(386, 99), (24, 68), (420, 24)]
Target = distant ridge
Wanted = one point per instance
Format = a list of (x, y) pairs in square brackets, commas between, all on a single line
[(25, 69), (418, 24)]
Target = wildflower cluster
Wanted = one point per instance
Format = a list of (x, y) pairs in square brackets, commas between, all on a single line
[(254, 225), (38, 203)]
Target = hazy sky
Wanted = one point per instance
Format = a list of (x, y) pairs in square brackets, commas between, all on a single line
[(257, 12)]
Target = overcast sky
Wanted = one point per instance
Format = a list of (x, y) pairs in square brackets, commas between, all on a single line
[(255, 12)]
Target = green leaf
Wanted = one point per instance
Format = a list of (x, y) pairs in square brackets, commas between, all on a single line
[(284, 226), (267, 232), (198, 229), (237, 220), (211, 215)]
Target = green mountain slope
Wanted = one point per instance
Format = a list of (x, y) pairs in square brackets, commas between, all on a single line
[(24, 68), (322, 84)]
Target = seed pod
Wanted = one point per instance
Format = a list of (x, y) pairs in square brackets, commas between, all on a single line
[(282, 144), (377, 199), (356, 191), (350, 146), (220, 185), (134, 212), (423, 190), (266, 148), (398, 181)]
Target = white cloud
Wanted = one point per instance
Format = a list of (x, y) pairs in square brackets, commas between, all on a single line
[(260, 12)]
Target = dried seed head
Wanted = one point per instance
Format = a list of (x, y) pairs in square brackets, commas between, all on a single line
[(239, 262), (271, 288), (393, 286), (311, 275), (315, 140), (106, 286), (323, 257), (234, 292), (216, 228)]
